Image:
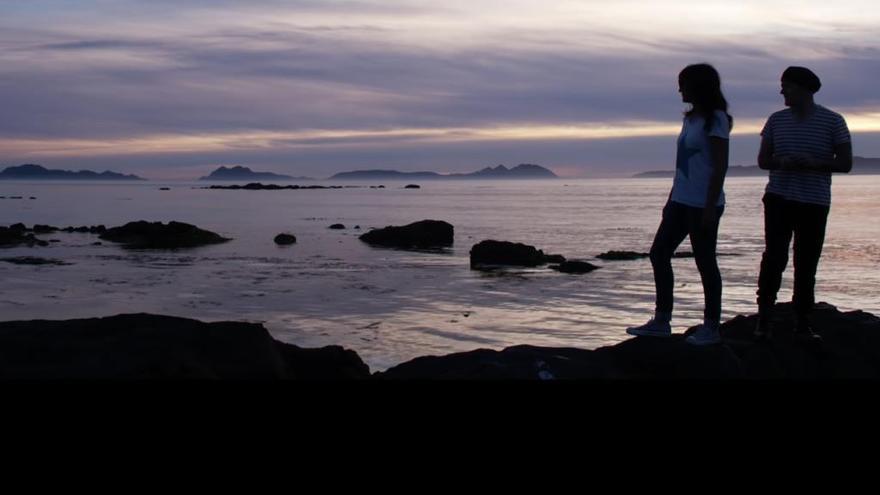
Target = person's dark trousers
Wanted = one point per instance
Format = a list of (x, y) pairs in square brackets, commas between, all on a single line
[(680, 221), (782, 220)]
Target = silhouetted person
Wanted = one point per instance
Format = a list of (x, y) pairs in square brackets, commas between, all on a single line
[(695, 203), (801, 146)]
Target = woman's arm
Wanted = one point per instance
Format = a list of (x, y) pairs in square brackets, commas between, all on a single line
[(719, 149)]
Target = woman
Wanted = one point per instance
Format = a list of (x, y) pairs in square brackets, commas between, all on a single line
[(695, 203)]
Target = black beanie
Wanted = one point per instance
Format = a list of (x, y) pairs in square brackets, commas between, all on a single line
[(803, 77)]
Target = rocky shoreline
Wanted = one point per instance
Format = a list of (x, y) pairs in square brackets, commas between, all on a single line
[(144, 346)]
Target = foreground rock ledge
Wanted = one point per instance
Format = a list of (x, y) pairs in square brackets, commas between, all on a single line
[(143, 346)]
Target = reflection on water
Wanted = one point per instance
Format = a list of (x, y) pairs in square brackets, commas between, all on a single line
[(392, 305)]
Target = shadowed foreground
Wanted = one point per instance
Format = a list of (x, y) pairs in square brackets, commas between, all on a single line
[(142, 346)]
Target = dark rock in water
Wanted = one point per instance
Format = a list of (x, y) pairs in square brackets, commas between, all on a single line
[(554, 258), (44, 229), (337, 226), (574, 267), (850, 350), (285, 239), (156, 235), (164, 188), (97, 229), (357, 227), (18, 227), (10, 237), (15, 197), (413, 186), (54, 240), (143, 346), (32, 260), (621, 255), (491, 252), (422, 234), (97, 243), (32, 197)]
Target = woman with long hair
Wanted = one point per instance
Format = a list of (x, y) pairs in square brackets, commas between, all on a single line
[(695, 204)]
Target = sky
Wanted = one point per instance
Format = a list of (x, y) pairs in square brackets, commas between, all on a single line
[(174, 89)]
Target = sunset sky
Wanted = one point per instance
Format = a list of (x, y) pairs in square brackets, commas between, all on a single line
[(173, 89)]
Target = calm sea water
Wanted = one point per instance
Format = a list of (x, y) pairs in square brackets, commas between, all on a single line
[(391, 305)]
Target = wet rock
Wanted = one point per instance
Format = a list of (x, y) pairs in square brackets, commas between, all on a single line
[(850, 350), (18, 227), (33, 260), (574, 267), (44, 229), (10, 237), (164, 188), (337, 226), (285, 239), (422, 234), (143, 346), (491, 252), (554, 258), (412, 186), (156, 235), (621, 255)]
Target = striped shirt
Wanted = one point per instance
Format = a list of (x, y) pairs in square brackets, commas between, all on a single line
[(816, 136)]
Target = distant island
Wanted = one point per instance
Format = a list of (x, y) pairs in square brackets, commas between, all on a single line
[(31, 171), (244, 173), (522, 171), (861, 166)]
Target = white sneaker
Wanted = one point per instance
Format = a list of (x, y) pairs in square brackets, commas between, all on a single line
[(704, 335), (654, 328)]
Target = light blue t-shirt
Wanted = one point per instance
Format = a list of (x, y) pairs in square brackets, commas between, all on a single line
[(693, 163)]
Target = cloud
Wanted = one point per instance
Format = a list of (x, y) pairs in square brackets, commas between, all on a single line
[(126, 72)]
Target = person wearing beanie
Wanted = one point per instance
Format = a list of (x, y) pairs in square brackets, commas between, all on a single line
[(801, 146)]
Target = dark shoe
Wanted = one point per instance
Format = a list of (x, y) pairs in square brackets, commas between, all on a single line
[(764, 327), (803, 331)]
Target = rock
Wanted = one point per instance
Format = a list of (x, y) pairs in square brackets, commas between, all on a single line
[(97, 243), (143, 346), (621, 255), (413, 186), (285, 239), (337, 226), (574, 267), (32, 197), (44, 229), (357, 227), (10, 237), (18, 227), (164, 188), (851, 350), (156, 235), (554, 258), (32, 260), (492, 252), (422, 234)]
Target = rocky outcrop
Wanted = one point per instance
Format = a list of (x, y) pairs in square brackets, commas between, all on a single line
[(33, 260), (16, 235), (285, 239), (621, 255), (143, 346), (156, 235), (412, 186), (337, 226), (423, 234), (850, 349), (574, 267), (489, 253)]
